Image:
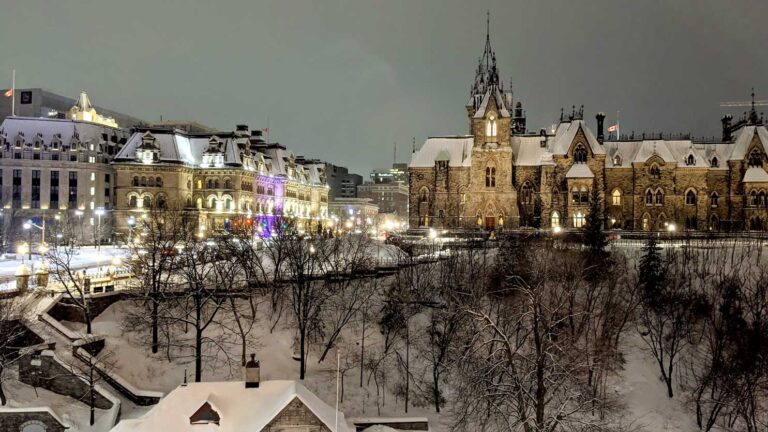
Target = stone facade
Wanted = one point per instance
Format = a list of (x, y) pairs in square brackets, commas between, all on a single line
[(500, 177)]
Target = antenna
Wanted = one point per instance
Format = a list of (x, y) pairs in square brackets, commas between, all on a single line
[(753, 103), (394, 158)]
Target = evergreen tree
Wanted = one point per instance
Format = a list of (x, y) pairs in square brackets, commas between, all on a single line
[(651, 277), (594, 236)]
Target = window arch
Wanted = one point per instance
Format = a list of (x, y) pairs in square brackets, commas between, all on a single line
[(646, 222), (715, 162), (648, 197), (135, 181), (690, 160), (659, 196), (227, 183), (161, 202), (617, 160), (212, 202), (159, 181), (755, 158), (490, 127), (762, 199), (616, 197), (713, 198), (490, 176), (579, 220), (555, 219), (527, 193), (133, 201), (690, 197), (151, 182), (580, 154), (654, 171), (143, 181), (753, 198), (146, 201), (209, 183)]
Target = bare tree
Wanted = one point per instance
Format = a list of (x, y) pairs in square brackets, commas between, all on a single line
[(15, 336)]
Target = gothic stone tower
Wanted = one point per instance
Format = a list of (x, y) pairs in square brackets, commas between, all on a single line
[(491, 201)]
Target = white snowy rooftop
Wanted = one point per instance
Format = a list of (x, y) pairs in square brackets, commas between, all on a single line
[(457, 150), (579, 170), (755, 175), (239, 408)]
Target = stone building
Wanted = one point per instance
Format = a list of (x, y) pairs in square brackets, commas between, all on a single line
[(225, 178), (500, 176), (54, 169)]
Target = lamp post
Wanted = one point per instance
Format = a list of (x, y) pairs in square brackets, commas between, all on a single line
[(99, 212), (28, 228)]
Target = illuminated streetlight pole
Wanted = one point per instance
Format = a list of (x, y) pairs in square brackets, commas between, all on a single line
[(99, 212)]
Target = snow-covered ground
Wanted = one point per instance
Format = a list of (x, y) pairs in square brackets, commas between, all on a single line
[(88, 258)]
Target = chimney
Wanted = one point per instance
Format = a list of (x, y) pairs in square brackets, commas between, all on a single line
[(242, 131), (600, 117), (252, 374), (543, 138), (726, 120)]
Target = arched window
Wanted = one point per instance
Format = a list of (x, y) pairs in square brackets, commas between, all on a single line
[(580, 154), (646, 222), (762, 199), (690, 160), (584, 193), (690, 197), (228, 204), (617, 160), (490, 176), (755, 158), (659, 197), (146, 202), (713, 198), (133, 202), (715, 163), (135, 181), (216, 183), (143, 181), (555, 196), (189, 184), (648, 197), (212, 203), (189, 202), (159, 181), (527, 193), (654, 171), (199, 203), (578, 220), (227, 184), (161, 202), (151, 182), (616, 197), (555, 219), (33, 426), (490, 127), (753, 199)]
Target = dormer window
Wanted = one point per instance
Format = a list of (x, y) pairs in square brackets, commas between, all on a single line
[(755, 158), (205, 415), (617, 160), (715, 163), (690, 160)]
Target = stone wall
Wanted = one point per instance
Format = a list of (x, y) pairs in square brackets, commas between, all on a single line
[(14, 421), (65, 310), (296, 415), (53, 376)]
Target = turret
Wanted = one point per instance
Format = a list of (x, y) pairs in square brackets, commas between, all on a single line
[(727, 128)]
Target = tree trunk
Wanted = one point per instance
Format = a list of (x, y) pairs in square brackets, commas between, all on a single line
[(155, 342), (3, 401), (302, 359), (198, 342)]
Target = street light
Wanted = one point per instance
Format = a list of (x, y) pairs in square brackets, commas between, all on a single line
[(131, 224), (79, 214), (23, 250), (99, 212)]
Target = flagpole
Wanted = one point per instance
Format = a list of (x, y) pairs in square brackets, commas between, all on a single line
[(13, 93), (618, 127)]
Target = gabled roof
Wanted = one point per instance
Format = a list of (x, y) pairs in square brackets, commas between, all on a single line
[(528, 151), (744, 139), (457, 150), (579, 170), (239, 408), (492, 93), (177, 147), (50, 129), (565, 134), (755, 175)]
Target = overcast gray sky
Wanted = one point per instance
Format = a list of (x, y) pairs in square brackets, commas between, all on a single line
[(342, 80)]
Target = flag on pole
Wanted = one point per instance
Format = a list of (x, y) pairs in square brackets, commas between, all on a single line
[(9, 93), (266, 130), (613, 128)]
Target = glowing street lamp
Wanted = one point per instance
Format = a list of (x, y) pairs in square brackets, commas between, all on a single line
[(99, 212)]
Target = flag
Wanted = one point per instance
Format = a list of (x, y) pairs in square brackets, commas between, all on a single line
[(9, 93), (266, 130), (613, 128)]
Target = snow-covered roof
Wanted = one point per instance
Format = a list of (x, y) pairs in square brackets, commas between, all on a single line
[(239, 408), (755, 175), (457, 150), (63, 130), (492, 93), (579, 170), (670, 151), (565, 134), (744, 139), (529, 152)]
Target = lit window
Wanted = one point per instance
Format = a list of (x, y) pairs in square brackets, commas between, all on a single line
[(555, 219), (579, 220), (616, 197), (93, 191), (93, 176)]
